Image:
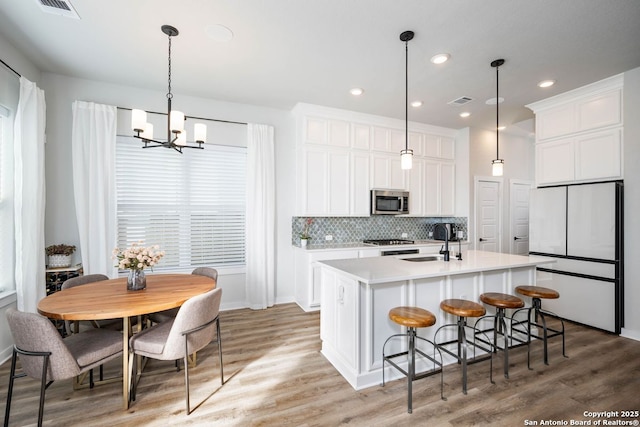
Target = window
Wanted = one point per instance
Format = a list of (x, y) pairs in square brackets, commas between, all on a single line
[(7, 266), (191, 204)]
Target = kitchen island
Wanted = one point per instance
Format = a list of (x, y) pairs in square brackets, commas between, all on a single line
[(357, 294)]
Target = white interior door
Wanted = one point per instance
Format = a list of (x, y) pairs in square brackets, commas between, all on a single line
[(519, 216), (488, 214)]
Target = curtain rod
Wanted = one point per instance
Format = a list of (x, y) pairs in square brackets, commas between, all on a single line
[(192, 117), (9, 67)]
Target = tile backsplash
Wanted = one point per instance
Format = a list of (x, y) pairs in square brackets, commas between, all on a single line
[(356, 229)]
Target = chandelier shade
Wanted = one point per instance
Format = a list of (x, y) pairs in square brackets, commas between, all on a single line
[(176, 133)]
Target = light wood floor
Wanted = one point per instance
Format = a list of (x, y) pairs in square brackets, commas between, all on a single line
[(276, 376)]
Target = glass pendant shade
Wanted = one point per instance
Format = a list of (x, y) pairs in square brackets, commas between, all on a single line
[(497, 167), (138, 120), (200, 132), (176, 121), (406, 159), (147, 133)]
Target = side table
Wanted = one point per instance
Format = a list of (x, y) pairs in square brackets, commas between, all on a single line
[(55, 278)]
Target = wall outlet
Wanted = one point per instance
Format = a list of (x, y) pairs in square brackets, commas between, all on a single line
[(328, 237), (431, 234), (405, 235)]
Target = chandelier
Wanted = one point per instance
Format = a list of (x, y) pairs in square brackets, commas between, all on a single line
[(176, 133), (406, 155), (497, 165)]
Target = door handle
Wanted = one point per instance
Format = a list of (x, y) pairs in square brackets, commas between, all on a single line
[(482, 240), (518, 238)]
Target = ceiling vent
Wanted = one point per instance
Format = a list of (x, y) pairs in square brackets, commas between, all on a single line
[(460, 101), (59, 7)]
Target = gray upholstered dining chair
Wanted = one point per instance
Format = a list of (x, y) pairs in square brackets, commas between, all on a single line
[(46, 356), (115, 324), (193, 328), (170, 314)]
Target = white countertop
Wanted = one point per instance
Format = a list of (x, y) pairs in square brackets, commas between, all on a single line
[(387, 269)]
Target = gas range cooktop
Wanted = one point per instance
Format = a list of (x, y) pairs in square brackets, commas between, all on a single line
[(387, 242)]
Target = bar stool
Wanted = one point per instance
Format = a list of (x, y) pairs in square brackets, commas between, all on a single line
[(501, 302), (537, 293), (412, 318), (463, 309)]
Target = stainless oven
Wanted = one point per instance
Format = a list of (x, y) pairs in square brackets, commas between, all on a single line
[(389, 202)]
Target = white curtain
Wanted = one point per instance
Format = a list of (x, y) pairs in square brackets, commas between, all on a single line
[(260, 218), (93, 143), (29, 153)]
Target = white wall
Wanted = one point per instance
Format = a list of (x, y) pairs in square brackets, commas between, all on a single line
[(60, 219), (631, 108), (518, 151)]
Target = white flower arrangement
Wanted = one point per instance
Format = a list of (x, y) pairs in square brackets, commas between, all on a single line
[(138, 257)]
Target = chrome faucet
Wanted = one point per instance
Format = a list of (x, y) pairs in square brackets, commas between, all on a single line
[(445, 252)]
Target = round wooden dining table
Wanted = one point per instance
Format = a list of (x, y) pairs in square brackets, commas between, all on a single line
[(109, 299)]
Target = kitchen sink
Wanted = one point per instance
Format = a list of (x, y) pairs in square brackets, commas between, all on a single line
[(425, 258)]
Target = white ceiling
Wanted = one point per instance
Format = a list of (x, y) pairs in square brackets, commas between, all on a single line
[(289, 51)]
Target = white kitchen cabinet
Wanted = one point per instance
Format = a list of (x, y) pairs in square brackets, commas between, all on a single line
[(361, 139), (599, 155), (571, 114), (588, 156), (555, 161), (435, 182), (326, 132), (440, 147), (579, 134), (335, 183), (359, 198), (308, 280), (342, 155), (386, 172)]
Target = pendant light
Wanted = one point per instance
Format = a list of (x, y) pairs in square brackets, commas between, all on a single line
[(497, 165), (176, 133), (406, 155)]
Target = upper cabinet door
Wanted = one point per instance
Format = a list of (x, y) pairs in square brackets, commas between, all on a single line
[(599, 111)]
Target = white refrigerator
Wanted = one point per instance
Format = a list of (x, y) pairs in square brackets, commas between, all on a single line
[(581, 226)]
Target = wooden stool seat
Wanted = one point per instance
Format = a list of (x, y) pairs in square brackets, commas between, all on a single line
[(501, 300), (462, 308), (412, 317), (537, 292)]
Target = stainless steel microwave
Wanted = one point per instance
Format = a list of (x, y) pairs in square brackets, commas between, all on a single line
[(389, 202)]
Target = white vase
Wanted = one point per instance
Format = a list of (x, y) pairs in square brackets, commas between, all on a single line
[(303, 242)]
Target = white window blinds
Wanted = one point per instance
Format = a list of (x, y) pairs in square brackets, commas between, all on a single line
[(191, 204)]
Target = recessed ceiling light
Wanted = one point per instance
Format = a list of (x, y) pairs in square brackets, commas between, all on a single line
[(356, 91), (416, 104), (465, 114), (219, 33), (492, 101), (440, 58), (546, 83)]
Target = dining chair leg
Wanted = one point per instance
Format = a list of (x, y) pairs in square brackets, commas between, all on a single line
[(219, 349), (43, 387), (12, 378), (186, 372)]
